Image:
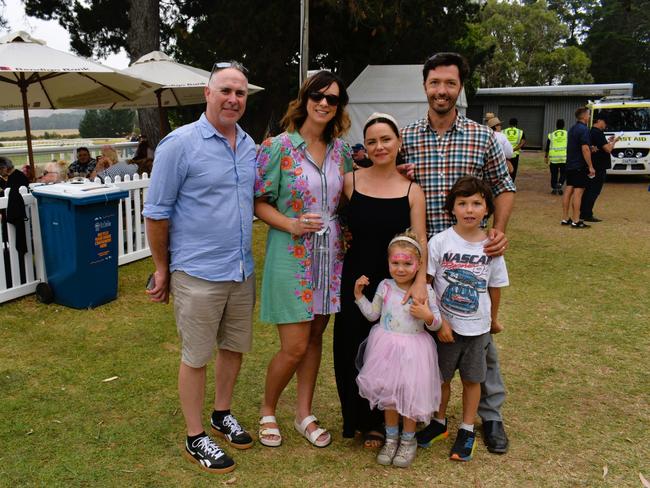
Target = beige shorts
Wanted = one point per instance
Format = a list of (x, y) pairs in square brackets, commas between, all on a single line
[(210, 314)]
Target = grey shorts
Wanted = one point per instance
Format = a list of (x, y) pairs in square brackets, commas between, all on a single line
[(466, 354), (210, 314)]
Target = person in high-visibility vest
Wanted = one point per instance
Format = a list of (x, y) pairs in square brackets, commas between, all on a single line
[(555, 156), (517, 139)]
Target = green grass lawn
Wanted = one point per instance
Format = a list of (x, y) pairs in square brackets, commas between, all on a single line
[(574, 356)]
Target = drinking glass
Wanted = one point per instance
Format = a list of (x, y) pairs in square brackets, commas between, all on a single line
[(323, 215)]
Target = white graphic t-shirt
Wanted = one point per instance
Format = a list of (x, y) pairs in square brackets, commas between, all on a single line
[(462, 273)]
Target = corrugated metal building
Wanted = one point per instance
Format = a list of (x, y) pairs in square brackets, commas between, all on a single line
[(537, 108)]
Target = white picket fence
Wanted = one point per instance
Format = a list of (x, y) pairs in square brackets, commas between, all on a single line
[(19, 277), (66, 150)]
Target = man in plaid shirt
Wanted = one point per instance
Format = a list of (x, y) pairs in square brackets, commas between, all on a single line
[(439, 149)]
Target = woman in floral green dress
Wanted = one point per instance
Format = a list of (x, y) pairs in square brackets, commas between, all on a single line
[(298, 187)]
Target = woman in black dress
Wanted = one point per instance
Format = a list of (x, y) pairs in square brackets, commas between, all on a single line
[(382, 203)]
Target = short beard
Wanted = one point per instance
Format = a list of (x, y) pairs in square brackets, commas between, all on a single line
[(440, 111)]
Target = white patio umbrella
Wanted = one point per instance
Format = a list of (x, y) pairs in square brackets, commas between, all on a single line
[(34, 76), (181, 84)]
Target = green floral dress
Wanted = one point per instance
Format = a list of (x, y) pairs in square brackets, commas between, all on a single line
[(297, 282)]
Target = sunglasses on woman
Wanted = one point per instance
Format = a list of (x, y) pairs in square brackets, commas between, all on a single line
[(332, 100)]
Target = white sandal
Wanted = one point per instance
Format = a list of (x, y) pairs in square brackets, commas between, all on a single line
[(269, 419), (313, 437)]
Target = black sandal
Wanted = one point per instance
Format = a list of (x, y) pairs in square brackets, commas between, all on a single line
[(373, 439)]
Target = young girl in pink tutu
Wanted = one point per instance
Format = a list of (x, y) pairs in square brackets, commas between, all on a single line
[(400, 372)]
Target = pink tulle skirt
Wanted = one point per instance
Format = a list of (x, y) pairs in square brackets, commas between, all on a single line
[(400, 372)]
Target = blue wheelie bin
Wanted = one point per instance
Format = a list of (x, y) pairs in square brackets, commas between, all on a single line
[(79, 229)]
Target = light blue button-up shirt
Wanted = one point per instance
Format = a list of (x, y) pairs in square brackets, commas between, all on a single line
[(205, 190)]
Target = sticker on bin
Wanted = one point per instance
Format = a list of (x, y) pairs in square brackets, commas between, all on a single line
[(102, 237), (77, 189)]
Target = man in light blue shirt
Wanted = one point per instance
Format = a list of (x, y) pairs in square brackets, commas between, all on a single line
[(199, 211)]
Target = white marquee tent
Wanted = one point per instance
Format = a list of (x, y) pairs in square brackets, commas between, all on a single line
[(394, 89)]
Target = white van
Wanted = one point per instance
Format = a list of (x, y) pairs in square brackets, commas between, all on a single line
[(630, 119)]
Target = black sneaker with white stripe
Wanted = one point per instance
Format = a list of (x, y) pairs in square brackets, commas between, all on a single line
[(208, 455), (229, 429)]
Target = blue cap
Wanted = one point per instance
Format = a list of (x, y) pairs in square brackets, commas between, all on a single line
[(358, 147)]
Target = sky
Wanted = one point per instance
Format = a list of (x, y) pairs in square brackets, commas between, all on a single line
[(53, 34)]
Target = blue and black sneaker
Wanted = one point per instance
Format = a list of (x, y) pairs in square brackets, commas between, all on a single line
[(464, 446), (435, 431)]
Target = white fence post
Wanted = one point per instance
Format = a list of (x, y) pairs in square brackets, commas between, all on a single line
[(132, 237), (31, 263)]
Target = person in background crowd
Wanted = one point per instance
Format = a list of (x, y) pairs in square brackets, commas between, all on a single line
[(555, 156), (517, 138), (579, 168), (54, 172), (27, 171), (150, 150), (141, 158), (109, 166), (495, 124), (84, 165), (10, 177), (601, 148), (51, 173), (360, 157), (12, 180), (438, 149)]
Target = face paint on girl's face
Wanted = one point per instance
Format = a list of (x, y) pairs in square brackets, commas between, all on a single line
[(407, 257), (403, 265)]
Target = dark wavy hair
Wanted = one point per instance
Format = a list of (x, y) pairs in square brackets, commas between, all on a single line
[(446, 59), (466, 186), (297, 111)]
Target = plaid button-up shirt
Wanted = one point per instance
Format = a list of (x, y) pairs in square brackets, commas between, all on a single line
[(467, 148), (82, 169)]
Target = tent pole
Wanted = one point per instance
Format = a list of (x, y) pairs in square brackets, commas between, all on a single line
[(28, 129), (304, 42), (161, 117)]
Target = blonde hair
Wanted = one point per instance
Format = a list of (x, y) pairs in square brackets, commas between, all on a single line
[(407, 240), (110, 153), (62, 165)]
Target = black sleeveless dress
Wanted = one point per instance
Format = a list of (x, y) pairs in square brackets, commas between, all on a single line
[(373, 222)]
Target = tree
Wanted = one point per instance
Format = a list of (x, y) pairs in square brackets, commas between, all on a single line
[(106, 123), (100, 27), (577, 15), (144, 37), (619, 44), (3, 22), (345, 36), (526, 44)]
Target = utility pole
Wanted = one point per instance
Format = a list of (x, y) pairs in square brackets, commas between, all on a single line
[(304, 41)]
